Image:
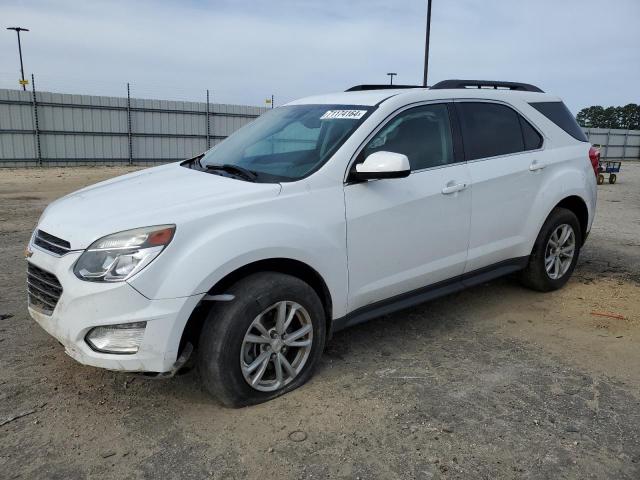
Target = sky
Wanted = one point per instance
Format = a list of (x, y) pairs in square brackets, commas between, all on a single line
[(586, 51)]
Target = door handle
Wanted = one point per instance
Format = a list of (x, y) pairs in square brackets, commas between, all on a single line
[(536, 165), (449, 189)]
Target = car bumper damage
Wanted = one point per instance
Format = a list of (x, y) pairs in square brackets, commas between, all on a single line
[(82, 306)]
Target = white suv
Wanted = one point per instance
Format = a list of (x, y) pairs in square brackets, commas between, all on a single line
[(319, 215)]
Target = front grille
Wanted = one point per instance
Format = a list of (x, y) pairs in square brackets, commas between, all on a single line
[(44, 289), (50, 243)]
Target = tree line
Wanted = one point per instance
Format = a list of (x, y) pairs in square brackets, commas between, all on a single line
[(627, 117)]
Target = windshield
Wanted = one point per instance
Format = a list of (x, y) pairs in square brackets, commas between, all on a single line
[(287, 143)]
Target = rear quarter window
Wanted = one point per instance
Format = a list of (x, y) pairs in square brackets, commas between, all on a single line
[(532, 139), (559, 114)]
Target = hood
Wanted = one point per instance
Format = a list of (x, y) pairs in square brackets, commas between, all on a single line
[(169, 194)]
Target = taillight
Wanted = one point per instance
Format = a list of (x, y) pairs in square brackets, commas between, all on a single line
[(594, 156)]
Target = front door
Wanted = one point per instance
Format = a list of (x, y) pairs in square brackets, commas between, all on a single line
[(407, 233)]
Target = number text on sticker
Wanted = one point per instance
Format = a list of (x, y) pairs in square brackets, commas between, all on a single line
[(347, 114)]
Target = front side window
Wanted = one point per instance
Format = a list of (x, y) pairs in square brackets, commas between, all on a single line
[(288, 143), (423, 134), (489, 130)]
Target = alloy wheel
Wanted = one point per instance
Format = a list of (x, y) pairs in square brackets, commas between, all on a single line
[(276, 346), (560, 251)]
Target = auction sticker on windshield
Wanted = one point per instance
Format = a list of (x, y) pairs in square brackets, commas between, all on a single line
[(348, 114)]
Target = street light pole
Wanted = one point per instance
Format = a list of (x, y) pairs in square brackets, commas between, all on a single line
[(426, 44), (391, 75), (18, 30)]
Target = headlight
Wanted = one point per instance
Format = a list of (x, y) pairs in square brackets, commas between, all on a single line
[(116, 257)]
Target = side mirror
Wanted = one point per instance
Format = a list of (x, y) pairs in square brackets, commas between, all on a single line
[(383, 165)]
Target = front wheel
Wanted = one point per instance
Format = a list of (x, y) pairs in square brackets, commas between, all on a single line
[(555, 252), (263, 343)]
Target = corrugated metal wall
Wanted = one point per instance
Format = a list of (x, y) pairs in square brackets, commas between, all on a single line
[(615, 144), (82, 129)]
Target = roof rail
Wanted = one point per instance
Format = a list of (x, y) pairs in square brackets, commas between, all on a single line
[(358, 88), (523, 87)]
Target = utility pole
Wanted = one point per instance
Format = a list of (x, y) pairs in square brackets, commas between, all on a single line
[(391, 75), (208, 124), (23, 81), (426, 44)]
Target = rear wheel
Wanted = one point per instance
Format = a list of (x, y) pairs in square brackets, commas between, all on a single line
[(264, 343), (612, 178), (600, 179), (555, 252)]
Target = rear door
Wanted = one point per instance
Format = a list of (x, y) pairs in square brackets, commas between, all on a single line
[(506, 162), (407, 233)]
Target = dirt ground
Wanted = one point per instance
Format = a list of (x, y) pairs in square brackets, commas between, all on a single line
[(493, 382)]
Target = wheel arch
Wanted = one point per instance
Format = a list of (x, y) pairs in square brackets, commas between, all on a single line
[(288, 266), (578, 206)]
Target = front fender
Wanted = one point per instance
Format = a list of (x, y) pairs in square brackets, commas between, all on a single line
[(206, 250)]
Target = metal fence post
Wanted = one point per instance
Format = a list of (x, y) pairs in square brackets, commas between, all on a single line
[(606, 151), (624, 145), (129, 125), (208, 124), (35, 121)]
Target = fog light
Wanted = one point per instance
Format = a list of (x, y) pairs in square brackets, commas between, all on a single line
[(124, 338)]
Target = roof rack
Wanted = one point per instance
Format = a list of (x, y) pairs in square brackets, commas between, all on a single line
[(358, 88), (455, 84)]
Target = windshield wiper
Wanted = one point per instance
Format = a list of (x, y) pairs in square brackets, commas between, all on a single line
[(249, 175)]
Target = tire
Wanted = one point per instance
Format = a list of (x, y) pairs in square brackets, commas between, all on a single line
[(228, 347), (612, 178), (535, 275), (600, 179)]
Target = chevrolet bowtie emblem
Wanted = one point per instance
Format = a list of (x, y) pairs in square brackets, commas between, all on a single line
[(27, 252)]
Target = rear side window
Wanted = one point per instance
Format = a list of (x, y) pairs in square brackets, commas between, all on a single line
[(489, 129), (559, 114)]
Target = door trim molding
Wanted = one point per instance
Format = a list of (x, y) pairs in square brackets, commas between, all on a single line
[(429, 292)]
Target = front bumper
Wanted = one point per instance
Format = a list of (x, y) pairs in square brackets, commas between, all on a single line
[(84, 305)]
